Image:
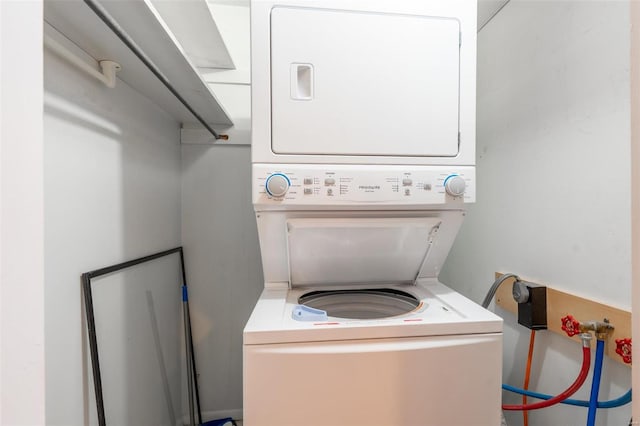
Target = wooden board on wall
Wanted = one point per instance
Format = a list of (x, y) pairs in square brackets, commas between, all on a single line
[(561, 304)]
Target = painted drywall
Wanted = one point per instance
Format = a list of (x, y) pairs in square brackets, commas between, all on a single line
[(22, 358), (112, 193), (553, 179), (223, 265), (219, 230)]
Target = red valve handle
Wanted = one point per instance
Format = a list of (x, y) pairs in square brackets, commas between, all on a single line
[(570, 325), (623, 348)]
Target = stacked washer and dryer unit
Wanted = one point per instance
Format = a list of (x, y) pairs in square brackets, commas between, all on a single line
[(363, 161)]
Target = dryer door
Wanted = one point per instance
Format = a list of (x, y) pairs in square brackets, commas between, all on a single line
[(365, 84)]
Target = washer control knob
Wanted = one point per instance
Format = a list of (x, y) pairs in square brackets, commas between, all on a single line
[(277, 184), (455, 185)]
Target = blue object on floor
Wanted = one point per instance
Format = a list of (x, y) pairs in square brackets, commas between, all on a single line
[(219, 422)]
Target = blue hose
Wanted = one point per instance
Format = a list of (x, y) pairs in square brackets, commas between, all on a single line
[(618, 402), (595, 384)]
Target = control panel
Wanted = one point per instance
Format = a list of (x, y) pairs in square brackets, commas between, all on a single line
[(280, 184)]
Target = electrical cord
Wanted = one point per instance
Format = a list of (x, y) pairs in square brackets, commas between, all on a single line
[(494, 288)]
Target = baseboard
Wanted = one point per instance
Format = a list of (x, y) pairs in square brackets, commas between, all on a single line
[(235, 414)]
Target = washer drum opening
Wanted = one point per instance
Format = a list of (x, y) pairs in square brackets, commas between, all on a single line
[(361, 304)]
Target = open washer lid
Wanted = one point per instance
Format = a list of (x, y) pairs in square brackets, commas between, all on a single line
[(351, 251)]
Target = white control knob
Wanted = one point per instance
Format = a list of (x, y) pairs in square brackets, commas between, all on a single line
[(277, 184), (455, 185)]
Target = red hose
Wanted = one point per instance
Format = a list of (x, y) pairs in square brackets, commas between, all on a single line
[(584, 370)]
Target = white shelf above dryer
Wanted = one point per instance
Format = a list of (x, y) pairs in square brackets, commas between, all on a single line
[(142, 22), (193, 25)]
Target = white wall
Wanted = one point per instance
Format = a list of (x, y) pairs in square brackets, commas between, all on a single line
[(219, 230), (112, 193), (553, 179), (223, 264), (22, 396)]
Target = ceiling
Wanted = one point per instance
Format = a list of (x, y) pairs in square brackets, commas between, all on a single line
[(245, 3), (486, 8)]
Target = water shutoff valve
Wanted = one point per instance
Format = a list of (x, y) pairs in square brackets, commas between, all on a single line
[(623, 348), (532, 304), (570, 325)]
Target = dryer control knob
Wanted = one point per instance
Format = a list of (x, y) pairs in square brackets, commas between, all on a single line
[(277, 184), (455, 185)]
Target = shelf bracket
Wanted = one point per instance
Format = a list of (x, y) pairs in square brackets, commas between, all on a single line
[(109, 68)]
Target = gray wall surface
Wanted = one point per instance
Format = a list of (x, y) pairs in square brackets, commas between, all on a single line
[(553, 177), (224, 269), (112, 193)]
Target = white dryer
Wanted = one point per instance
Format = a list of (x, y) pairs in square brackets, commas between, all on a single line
[(363, 152)]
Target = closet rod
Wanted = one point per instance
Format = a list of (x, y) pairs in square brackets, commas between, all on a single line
[(128, 41)]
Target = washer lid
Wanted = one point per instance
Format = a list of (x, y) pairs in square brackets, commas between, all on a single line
[(358, 250)]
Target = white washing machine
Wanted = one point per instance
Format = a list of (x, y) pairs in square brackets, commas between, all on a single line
[(353, 327), (438, 364), (363, 148)]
